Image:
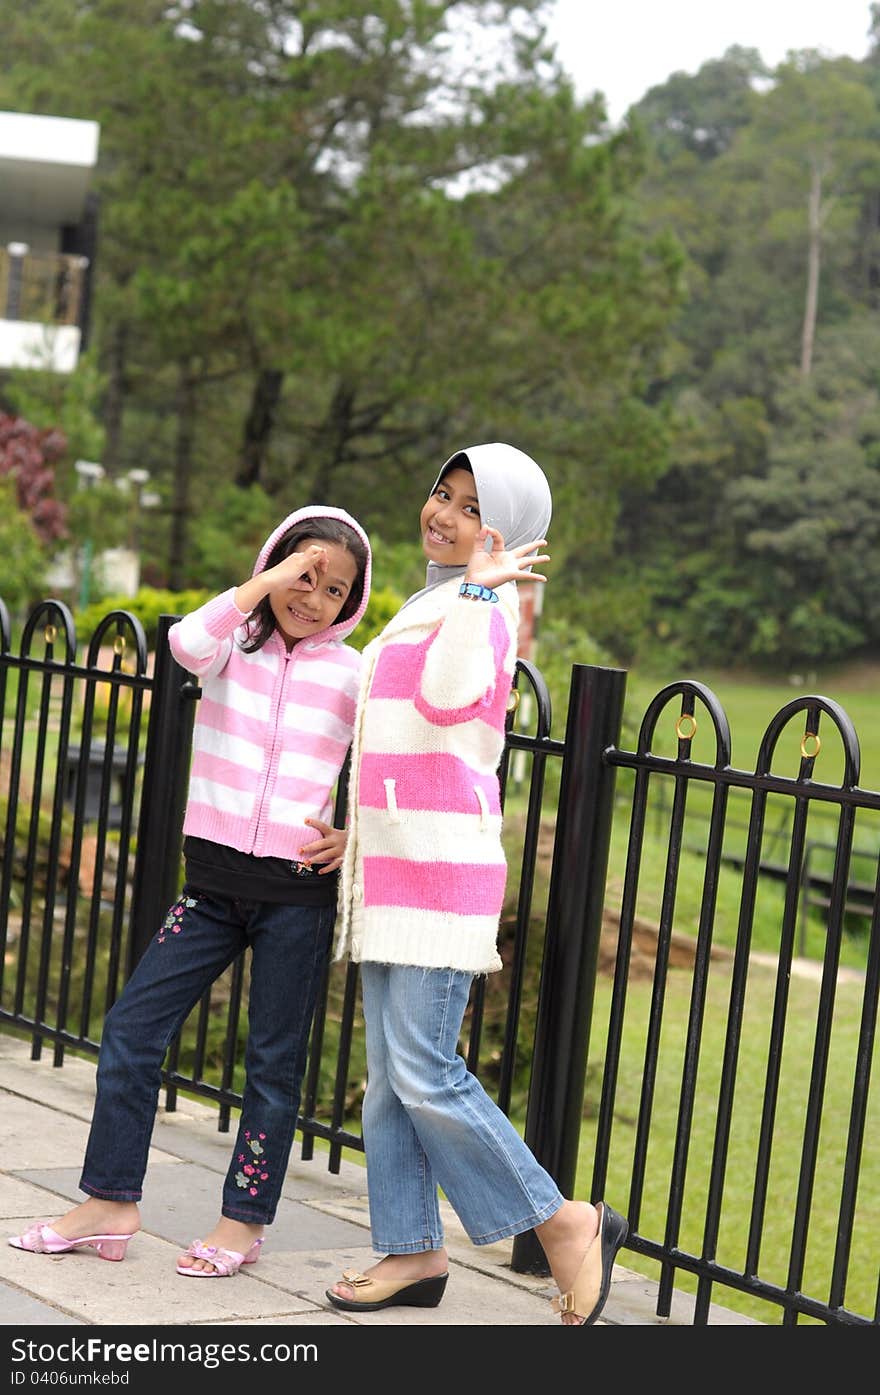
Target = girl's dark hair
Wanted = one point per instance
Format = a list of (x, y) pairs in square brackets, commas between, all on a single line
[(262, 622), (458, 462)]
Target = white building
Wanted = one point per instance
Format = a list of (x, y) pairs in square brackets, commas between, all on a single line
[(48, 219)]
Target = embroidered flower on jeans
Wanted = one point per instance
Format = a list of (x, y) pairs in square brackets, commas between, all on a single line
[(174, 917), (252, 1172)]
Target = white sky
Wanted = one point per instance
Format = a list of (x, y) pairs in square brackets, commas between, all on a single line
[(623, 47)]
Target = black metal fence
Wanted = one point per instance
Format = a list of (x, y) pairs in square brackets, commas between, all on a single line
[(633, 1026), (808, 1173)]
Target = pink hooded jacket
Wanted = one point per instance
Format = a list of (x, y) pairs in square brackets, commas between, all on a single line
[(272, 727)]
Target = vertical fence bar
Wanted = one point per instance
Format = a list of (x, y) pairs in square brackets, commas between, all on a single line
[(346, 1026), (658, 992), (690, 1063), (793, 890), (526, 879), (574, 925), (821, 1052), (858, 1110), (163, 799)]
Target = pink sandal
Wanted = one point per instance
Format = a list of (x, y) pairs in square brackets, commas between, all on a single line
[(41, 1239), (225, 1262)]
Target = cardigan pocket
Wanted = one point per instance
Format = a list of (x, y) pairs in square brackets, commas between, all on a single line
[(484, 807), (391, 801)]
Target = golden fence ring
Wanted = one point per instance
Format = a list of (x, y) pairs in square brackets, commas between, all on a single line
[(50, 634), (810, 736), (119, 644), (513, 700), (686, 735)]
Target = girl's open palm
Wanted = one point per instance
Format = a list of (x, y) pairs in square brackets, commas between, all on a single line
[(494, 568)]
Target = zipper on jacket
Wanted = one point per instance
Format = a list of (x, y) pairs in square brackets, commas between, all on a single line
[(275, 744)]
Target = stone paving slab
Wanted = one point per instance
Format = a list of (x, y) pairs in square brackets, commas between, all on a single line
[(20, 1309), (322, 1226), (20, 1198), (144, 1288), (633, 1303), (182, 1202), (38, 1136)]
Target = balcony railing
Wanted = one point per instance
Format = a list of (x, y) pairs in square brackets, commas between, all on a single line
[(42, 288)]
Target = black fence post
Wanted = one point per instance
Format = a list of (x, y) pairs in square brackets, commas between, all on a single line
[(163, 798), (574, 925)]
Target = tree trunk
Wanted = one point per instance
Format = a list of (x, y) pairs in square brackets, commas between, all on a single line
[(867, 242), (335, 435), (814, 220), (258, 426), (186, 422), (114, 398)]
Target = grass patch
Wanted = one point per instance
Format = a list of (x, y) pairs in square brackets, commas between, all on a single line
[(787, 1139), (750, 703)]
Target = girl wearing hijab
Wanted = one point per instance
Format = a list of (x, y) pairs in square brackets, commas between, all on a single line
[(422, 887)]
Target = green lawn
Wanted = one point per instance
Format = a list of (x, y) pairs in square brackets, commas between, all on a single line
[(740, 1173), (750, 703)]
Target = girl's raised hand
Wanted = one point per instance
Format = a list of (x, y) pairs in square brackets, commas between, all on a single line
[(298, 572), (301, 569), (493, 568)]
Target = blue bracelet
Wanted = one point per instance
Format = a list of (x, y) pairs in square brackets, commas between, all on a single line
[(473, 591)]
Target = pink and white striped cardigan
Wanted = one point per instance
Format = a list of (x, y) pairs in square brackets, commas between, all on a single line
[(272, 727), (424, 872)]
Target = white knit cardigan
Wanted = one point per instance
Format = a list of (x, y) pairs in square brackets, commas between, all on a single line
[(424, 870)]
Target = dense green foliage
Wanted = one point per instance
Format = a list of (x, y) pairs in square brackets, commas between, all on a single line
[(333, 251), (23, 558), (337, 244), (150, 603), (759, 542)]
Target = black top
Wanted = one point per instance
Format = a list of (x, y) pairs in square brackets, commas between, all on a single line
[(216, 867)]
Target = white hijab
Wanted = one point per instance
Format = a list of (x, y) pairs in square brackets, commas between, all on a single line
[(513, 494)]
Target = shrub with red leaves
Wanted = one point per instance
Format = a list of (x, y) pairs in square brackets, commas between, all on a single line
[(28, 455)]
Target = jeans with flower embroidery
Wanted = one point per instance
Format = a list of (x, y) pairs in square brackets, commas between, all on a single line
[(202, 934)]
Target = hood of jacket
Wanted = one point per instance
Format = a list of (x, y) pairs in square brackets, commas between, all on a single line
[(341, 628)]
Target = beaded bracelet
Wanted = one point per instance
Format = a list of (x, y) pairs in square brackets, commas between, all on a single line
[(473, 591)]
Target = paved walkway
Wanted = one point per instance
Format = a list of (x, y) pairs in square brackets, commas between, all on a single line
[(321, 1228)]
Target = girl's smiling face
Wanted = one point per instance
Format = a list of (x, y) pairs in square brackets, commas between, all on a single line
[(305, 607), (450, 520)]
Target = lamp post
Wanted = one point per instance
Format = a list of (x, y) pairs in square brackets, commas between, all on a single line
[(133, 483), (88, 474), (17, 252)]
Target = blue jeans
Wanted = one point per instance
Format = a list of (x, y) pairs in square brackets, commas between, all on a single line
[(428, 1122), (202, 934)]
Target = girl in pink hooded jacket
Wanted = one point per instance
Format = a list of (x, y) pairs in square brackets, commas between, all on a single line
[(273, 727)]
